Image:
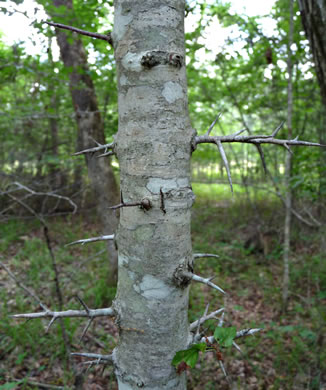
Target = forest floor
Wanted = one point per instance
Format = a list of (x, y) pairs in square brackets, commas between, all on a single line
[(289, 352)]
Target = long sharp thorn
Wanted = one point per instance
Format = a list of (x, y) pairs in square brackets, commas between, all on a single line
[(277, 129), (221, 321), (236, 346), (238, 132), (201, 255), (106, 154), (226, 164), (82, 303), (213, 124), (86, 329), (261, 153), (206, 281), (50, 324), (203, 316), (287, 147)]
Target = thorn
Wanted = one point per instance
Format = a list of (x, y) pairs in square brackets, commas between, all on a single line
[(221, 321), (213, 124), (86, 329), (237, 133), (106, 154), (203, 316), (226, 164), (277, 129), (287, 147), (201, 255), (204, 281), (296, 138), (82, 303), (236, 346), (50, 324)]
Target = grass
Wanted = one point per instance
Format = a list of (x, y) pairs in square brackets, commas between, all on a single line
[(288, 354)]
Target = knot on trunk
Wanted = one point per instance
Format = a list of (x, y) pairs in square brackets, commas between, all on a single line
[(156, 57)]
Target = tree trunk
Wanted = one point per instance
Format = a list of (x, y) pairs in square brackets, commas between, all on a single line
[(153, 148), (313, 14), (90, 127), (288, 166)]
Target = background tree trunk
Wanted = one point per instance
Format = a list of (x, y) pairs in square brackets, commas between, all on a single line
[(90, 127), (153, 148), (288, 166), (313, 14)]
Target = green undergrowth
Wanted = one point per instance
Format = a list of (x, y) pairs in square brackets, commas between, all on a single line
[(289, 353)]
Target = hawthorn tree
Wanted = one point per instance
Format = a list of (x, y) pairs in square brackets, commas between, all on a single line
[(154, 144)]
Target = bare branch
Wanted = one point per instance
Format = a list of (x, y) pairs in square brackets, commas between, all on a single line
[(241, 333), (199, 279), (22, 286), (93, 239), (99, 357), (247, 332), (205, 318), (105, 37), (201, 255), (50, 194), (96, 149), (251, 139), (92, 313)]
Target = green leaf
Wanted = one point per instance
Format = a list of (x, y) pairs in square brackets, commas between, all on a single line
[(9, 385), (225, 336), (189, 356)]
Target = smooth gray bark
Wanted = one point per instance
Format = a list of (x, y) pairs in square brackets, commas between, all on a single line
[(153, 146)]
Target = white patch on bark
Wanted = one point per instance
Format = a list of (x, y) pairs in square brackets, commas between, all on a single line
[(131, 62), (123, 80), (154, 288), (155, 184), (122, 260), (172, 92), (121, 27)]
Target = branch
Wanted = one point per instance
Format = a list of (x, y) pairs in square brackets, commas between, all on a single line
[(104, 37), (199, 279), (54, 315), (204, 318), (252, 139), (99, 358), (93, 239), (241, 333), (22, 286), (96, 149)]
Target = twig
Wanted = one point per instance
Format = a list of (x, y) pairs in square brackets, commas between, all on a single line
[(203, 319), (22, 286), (92, 313), (93, 239), (105, 37), (107, 358), (241, 333), (95, 149)]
